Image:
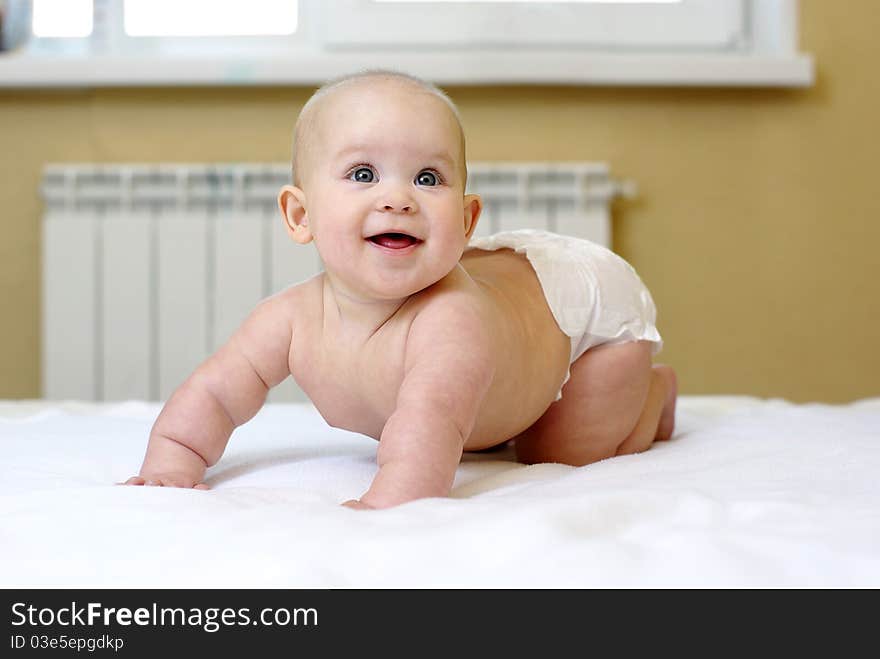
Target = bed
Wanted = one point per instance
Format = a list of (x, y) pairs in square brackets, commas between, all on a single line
[(748, 493)]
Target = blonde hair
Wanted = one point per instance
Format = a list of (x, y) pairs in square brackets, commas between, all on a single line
[(306, 119)]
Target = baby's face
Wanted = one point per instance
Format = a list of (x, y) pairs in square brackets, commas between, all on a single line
[(384, 190)]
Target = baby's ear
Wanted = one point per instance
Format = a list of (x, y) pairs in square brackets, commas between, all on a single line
[(473, 206), (292, 202)]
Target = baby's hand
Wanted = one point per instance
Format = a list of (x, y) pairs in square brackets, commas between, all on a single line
[(167, 480)]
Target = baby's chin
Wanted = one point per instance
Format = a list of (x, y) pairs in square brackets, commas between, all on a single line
[(386, 282)]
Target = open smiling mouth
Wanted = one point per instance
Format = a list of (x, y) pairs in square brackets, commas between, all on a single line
[(394, 240)]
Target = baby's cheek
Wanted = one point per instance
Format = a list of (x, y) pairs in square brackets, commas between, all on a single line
[(448, 254), (332, 252)]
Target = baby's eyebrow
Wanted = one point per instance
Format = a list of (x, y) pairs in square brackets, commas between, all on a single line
[(442, 156), (348, 150)]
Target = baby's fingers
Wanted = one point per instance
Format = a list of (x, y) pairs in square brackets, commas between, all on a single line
[(173, 481), (165, 482), (134, 480), (356, 504), (139, 480)]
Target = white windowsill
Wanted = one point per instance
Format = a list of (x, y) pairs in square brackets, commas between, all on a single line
[(461, 68)]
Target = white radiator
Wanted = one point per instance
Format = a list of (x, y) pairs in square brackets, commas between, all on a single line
[(147, 269)]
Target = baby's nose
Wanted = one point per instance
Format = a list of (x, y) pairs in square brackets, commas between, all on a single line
[(395, 200), (398, 208)]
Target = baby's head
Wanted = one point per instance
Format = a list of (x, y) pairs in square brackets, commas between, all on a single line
[(379, 180), (305, 131)]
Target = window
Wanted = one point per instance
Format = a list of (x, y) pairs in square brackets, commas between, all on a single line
[(585, 23), (185, 18), (62, 18), (162, 27), (631, 42), (199, 18)]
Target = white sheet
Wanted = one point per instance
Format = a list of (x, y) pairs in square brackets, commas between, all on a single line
[(749, 493)]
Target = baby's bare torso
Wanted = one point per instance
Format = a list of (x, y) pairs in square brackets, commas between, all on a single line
[(353, 380)]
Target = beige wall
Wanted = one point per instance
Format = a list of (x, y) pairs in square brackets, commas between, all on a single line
[(757, 225)]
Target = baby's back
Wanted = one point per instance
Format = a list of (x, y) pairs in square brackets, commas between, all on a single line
[(531, 352), (353, 379)]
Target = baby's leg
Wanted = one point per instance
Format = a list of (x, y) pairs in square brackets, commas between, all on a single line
[(614, 403)]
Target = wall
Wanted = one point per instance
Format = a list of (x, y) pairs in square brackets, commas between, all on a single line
[(756, 227)]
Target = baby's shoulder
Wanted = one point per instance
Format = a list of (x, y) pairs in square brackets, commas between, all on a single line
[(456, 291), (455, 302), (295, 302)]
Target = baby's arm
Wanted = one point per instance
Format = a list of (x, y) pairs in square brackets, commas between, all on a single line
[(225, 391), (448, 369)]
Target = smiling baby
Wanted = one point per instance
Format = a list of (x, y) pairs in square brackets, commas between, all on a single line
[(416, 335)]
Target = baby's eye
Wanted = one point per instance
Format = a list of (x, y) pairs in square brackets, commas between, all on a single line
[(427, 177), (362, 175)]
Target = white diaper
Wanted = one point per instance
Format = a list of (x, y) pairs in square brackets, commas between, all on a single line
[(596, 297)]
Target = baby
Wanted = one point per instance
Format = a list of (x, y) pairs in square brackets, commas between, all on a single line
[(415, 336)]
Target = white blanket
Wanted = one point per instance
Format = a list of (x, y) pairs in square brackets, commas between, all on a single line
[(748, 493)]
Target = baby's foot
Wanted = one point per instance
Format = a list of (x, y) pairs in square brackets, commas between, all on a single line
[(667, 416)]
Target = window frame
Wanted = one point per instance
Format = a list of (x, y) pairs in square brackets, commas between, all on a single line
[(762, 53)]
